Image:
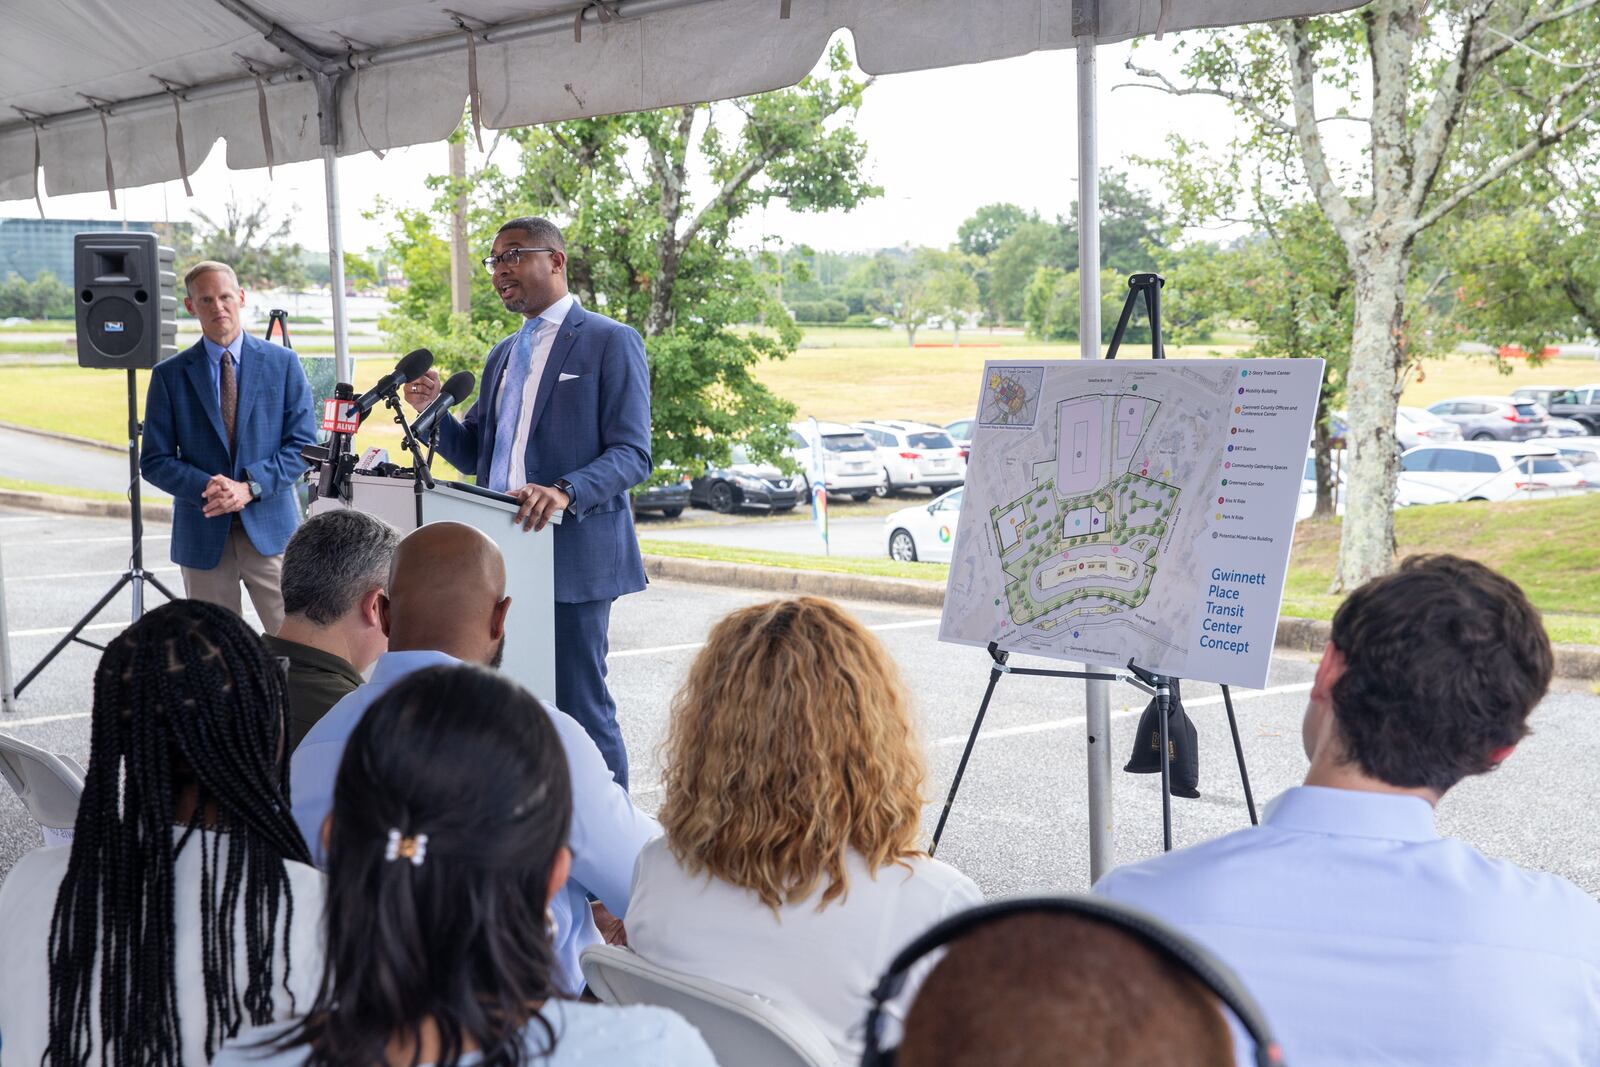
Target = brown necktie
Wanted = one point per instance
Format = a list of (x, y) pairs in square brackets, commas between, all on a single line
[(229, 396)]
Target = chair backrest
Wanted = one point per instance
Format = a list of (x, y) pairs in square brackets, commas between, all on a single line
[(48, 784), (740, 1027)]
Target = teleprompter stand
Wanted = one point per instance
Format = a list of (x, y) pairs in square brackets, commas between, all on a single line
[(136, 575), (1162, 688)]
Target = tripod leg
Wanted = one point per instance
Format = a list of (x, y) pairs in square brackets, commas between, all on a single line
[(72, 634), (966, 754), (153, 580), (1163, 709), (1238, 752)]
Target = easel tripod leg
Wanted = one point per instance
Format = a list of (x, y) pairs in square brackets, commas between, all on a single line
[(966, 754), (1163, 709), (1238, 752)]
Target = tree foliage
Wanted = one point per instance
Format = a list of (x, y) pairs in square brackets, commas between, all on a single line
[(45, 297), (248, 239), (982, 233)]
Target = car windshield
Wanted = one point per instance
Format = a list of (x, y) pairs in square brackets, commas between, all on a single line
[(846, 442), (930, 440), (1546, 465), (1528, 411), (1578, 456)]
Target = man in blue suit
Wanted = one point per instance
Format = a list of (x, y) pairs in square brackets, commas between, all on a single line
[(224, 423), (562, 422)]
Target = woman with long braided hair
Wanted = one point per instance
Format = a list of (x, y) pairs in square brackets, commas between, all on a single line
[(186, 907)]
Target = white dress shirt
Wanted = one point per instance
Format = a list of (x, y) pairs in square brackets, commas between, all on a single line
[(539, 354), (27, 906), (607, 830), (1369, 939), (823, 963)]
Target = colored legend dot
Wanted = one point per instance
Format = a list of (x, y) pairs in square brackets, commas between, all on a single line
[(1234, 430), (1135, 389), (1244, 374), (1230, 448), (1241, 390), (1219, 515), (1238, 411), (1225, 466), (1074, 633), (1219, 500), (1224, 481)]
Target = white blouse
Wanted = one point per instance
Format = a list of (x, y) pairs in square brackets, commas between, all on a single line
[(27, 905), (823, 963)]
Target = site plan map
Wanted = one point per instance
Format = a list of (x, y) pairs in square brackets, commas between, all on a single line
[(1137, 509)]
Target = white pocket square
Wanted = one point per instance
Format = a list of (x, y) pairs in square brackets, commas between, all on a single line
[(564, 377)]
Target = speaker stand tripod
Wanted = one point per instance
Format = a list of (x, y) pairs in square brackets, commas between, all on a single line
[(135, 576)]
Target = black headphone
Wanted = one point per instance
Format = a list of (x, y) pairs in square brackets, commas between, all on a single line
[(1215, 974)]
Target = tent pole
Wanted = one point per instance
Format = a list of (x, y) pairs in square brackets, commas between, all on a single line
[(8, 695), (1097, 696), (341, 324)]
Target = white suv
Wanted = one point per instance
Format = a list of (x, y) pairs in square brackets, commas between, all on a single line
[(915, 453), (1472, 470), (848, 457)]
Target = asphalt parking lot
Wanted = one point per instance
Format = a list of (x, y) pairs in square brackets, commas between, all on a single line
[(1019, 824)]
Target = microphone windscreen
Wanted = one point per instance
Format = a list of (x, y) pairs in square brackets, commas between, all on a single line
[(414, 364), (460, 385)]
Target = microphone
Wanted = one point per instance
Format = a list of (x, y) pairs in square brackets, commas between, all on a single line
[(457, 389), (413, 365)]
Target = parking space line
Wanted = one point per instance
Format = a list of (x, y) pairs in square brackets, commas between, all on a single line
[(50, 542), (11, 578)]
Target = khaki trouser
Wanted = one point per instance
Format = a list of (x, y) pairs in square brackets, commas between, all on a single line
[(241, 562)]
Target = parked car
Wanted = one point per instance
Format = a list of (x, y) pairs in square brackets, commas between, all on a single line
[(924, 531), (1493, 418), (915, 453), (1308, 486), (1486, 470), (850, 460), (1555, 427), (669, 499), (1582, 452), (743, 483), (1582, 404), (1416, 426), (960, 432)]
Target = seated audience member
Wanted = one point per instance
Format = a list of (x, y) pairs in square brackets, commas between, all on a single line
[(446, 842), (793, 796), (186, 907), (446, 603), (1367, 937), (1041, 989), (333, 575)]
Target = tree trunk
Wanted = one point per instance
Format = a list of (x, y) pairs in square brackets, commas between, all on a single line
[(911, 335), (958, 334), (1326, 507), (1366, 544)]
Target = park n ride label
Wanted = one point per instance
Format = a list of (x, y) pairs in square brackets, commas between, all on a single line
[(1137, 509)]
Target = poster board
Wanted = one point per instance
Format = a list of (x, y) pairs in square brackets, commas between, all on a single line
[(1139, 509)]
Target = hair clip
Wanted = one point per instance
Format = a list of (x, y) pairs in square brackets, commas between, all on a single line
[(414, 849)]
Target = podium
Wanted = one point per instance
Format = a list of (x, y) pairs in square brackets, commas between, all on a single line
[(530, 656)]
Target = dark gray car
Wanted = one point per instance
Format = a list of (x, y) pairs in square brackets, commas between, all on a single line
[(1494, 418), (1582, 405)]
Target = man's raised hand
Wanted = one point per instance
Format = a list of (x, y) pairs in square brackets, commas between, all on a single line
[(421, 392)]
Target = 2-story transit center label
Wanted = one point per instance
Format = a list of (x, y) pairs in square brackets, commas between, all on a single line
[(1137, 509)]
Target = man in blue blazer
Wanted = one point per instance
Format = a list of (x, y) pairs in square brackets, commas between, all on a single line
[(224, 423), (562, 422)]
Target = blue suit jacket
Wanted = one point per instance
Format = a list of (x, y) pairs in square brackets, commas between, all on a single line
[(184, 446), (591, 426)]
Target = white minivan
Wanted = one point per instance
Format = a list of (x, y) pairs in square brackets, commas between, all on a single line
[(1485, 470), (849, 459)]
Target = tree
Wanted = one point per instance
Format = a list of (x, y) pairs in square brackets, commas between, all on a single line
[(982, 233), (46, 297), (952, 290), (359, 272), (1134, 226), (248, 240), (1462, 94), (903, 290), (1013, 264), (639, 248)]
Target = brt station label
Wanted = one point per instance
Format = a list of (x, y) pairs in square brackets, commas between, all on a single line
[(1137, 509)]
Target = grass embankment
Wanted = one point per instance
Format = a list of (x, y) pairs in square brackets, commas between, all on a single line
[(1549, 547)]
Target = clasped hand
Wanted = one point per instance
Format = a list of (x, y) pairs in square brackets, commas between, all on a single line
[(223, 496)]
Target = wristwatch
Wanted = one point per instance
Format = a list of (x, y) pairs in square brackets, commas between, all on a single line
[(255, 490), (566, 487)]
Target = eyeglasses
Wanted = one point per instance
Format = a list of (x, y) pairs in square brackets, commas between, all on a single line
[(510, 257)]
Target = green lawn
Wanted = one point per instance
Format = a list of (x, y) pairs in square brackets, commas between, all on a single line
[(1549, 547)]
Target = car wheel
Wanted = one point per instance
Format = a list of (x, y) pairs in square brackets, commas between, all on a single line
[(886, 488), (902, 547), (860, 498), (1482, 435), (671, 513), (722, 498)]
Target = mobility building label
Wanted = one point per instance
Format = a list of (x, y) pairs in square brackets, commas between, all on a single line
[(1139, 509)]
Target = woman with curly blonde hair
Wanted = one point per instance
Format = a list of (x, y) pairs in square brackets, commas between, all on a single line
[(793, 796)]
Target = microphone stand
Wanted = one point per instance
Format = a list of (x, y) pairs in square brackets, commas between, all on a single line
[(424, 476)]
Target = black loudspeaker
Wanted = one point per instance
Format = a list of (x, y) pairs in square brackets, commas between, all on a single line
[(127, 299)]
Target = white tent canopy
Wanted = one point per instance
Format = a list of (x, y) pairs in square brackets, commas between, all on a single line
[(93, 91)]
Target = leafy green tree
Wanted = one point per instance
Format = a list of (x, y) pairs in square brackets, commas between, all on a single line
[(45, 297), (642, 250), (1462, 94), (982, 233), (1013, 264), (952, 289), (359, 271), (248, 239)]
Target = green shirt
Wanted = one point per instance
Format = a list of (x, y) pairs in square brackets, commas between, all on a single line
[(317, 681)]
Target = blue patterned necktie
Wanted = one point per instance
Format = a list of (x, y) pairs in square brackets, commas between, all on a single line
[(508, 408)]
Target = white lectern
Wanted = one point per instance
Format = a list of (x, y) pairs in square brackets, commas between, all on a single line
[(530, 655)]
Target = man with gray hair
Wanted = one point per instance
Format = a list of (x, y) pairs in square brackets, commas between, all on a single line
[(334, 572)]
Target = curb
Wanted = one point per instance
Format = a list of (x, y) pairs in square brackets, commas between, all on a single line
[(71, 505), (1581, 662), (70, 438)]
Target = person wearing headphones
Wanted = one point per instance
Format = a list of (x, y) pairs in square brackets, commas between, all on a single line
[(1368, 937)]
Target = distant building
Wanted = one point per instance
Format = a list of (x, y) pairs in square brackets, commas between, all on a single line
[(28, 246)]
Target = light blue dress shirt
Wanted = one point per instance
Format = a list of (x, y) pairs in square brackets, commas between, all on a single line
[(1369, 939), (587, 1035), (607, 830), (214, 363)]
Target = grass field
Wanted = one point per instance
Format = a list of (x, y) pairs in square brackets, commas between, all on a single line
[(1549, 547)]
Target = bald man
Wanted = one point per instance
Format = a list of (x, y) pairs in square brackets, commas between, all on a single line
[(431, 623)]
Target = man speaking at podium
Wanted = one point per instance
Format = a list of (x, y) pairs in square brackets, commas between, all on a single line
[(562, 422)]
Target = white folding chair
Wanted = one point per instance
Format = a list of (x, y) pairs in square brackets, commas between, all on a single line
[(48, 784), (740, 1027)]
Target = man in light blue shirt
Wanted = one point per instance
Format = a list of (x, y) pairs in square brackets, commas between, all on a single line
[(446, 603), (1367, 937)]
